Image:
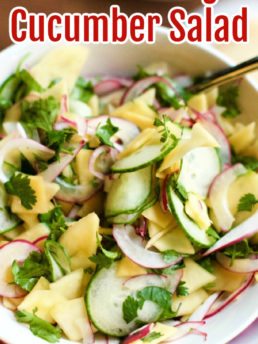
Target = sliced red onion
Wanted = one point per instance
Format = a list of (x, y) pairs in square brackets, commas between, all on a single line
[(200, 313), (141, 227), (110, 153), (10, 127), (127, 130), (138, 334), (63, 105), (42, 238), (29, 149), (73, 213), (221, 304), (131, 245), (70, 193), (107, 86), (164, 197), (183, 329), (61, 125), (87, 331), (57, 167), (17, 250), (139, 86), (216, 131), (245, 230), (69, 121), (218, 195), (241, 266), (199, 333)]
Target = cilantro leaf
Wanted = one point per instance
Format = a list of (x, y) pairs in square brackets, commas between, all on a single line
[(182, 289), (228, 98), (130, 309), (211, 232), (19, 185), (170, 270), (247, 202), (101, 260), (206, 264), (169, 256), (83, 90), (39, 114), (108, 254), (151, 336), (250, 162), (240, 250), (56, 140), (56, 222), (27, 274), (39, 327), (166, 135), (105, 132)]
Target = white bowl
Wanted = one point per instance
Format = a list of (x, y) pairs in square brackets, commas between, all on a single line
[(122, 60)]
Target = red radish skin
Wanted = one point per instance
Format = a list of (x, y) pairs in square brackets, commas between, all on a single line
[(17, 250), (200, 333), (245, 230), (63, 105), (132, 246), (139, 334), (107, 86), (200, 313), (231, 298), (241, 266), (44, 237), (183, 329)]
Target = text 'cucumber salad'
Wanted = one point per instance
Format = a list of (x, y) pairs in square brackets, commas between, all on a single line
[(128, 205)]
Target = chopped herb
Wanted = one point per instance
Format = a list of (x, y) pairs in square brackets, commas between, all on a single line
[(211, 232), (228, 98), (105, 132), (39, 327), (108, 254), (209, 285), (151, 336), (54, 82), (166, 135), (130, 309), (19, 185), (83, 90), (169, 256), (56, 222), (101, 260), (182, 191), (250, 162), (182, 289), (170, 270), (57, 139), (27, 274), (240, 250), (206, 264), (89, 270), (95, 182), (247, 202)]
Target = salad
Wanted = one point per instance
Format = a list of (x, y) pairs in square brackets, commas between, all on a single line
[(128, 205)]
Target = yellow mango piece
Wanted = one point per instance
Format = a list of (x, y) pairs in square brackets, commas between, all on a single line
[(172, 169), (94, 204), (14, 113), (143, 138), (35, 232), (190, 273), (199, 138), (57, 91), (11, 303), (81, 237), (198, 102), (256, 276), (165, 332), (141, 121), (252, 150), (158, 216), (188, 304), (80, 261), (14, 233), (127, 268), (211, 96), (64, 62), (197, 210), (44, 301), (81, 166), (43, 193), (30, 220), (226, 280), (69, 286), (66, 207), (69, 315), (148, 97), (242, 137), (42, 284), (94, 105)]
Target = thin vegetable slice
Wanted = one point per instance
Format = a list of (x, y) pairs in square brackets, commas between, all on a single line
[(241, 266)]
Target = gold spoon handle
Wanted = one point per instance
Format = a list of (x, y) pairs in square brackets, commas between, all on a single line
[(224, 76)]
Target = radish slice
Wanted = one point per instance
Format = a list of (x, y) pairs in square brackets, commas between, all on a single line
[(17, 250), (184, 328), (57, 167), (218, 195), (241, 266), (70, 193), (139, 86), (28, 148), (219, 135), (79, 123), (86, 329), (107, 86), (131, 245), (220, 304), (73, 213), (200, 313), (139, 333), (108, 158), (127, 130), (10, 127), (199, 333), (63, 105), (141, 227), (239, 233)]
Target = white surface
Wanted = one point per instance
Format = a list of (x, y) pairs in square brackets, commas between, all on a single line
[(122, 59)]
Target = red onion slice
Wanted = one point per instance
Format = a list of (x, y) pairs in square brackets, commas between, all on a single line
[(63, 105), (131, 245), (138, 334), (241, 266), (57, 167), (139, 86), (28, 147), (221, 304), (200, 313), (183, 329), (141, 227), (107, 86), (110, 153)]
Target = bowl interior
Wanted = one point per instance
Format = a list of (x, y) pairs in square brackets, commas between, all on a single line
[(122, 60)]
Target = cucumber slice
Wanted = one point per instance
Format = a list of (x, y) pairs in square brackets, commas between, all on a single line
[(58, 258), (9, 87), (104, 299), (198, 168), (129, 192), (144, 156), (192, 230), (7, 221)]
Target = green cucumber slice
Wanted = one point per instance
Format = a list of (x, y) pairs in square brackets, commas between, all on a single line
[(198, 168), (104, 299), (7, 221), (9, 87), (58, 258), (129, 192), (144, 156), (191, 229)]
